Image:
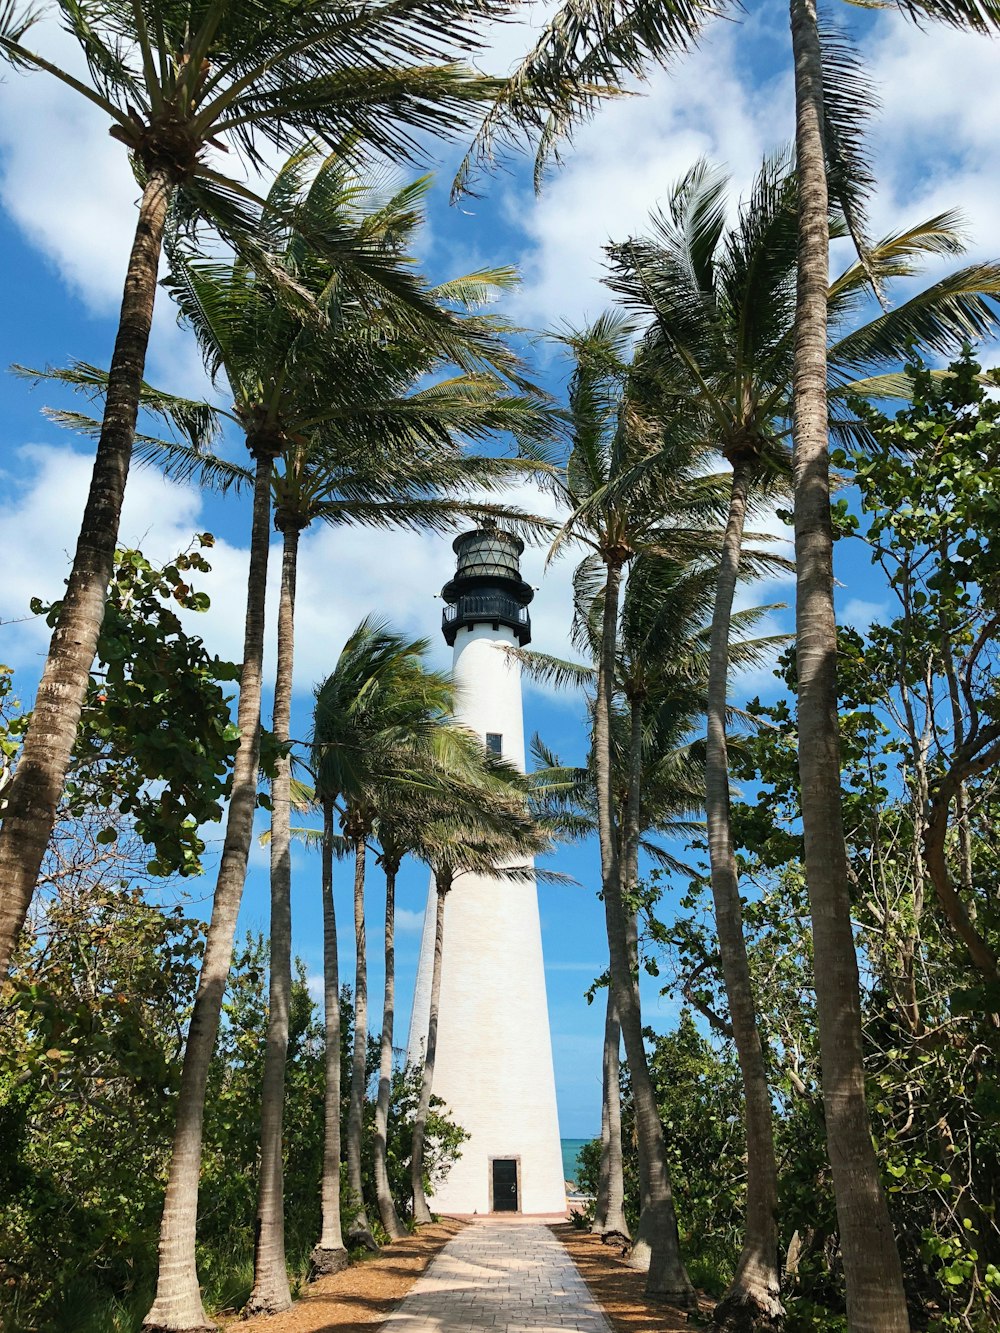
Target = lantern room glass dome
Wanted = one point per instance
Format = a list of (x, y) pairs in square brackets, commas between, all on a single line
[(488, 552)]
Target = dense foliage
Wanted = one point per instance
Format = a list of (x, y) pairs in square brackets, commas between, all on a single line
[(92, 1034), (918, 706), (91, 1060), (156, 712)]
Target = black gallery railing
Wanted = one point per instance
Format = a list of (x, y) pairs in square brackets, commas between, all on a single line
[(485, 606)]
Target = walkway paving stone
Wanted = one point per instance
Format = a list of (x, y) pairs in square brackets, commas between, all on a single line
[(502, 1278)]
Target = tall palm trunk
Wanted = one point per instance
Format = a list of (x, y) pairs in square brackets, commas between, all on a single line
[(875, 1300), (610, 1211), (421, 1212), (601, 1198), (667, 1277), (753, 1300), (383, 1192), (177, 1305), (641, 1252), (271, 1292), (359, 1057), (330, 1254), (33, 795)]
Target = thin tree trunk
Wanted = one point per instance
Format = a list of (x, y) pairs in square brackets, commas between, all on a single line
[(667, 1277), (640, 1255), (935, 858), (753, 1300), (875, 1299), (177, 1305), (421, 1212), (271, 1292), (610, 1214), (601, 1200), (33, 795), (383, 1192), (359, 1059), (330, 1255)]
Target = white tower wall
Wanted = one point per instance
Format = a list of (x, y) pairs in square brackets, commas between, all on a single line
[(494, 1053)]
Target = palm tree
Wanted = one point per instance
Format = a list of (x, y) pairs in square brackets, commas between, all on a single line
[(395, 844), (721, 308), (400, 824), (614, 426), (178, 82), (329, 1255), (386, 461), (661, 675), (379, 453), (370, 713), (583, 53), (636, 491), (275, 360), (271, 1291)]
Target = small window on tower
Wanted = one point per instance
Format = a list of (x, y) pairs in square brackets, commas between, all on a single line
[(494, 742)]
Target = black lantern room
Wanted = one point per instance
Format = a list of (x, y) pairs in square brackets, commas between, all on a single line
[(487, 588)]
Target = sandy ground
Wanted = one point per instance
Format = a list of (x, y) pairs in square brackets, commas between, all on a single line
[(619, 1290), (359, 1299)]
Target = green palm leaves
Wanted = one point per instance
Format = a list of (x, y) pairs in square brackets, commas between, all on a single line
[(718, 307), (178, 79)]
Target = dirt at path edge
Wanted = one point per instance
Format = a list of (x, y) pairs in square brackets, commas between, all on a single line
[(620, 1290), (360, 1299)]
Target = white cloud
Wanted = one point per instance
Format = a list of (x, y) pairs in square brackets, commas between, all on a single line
[(936, 134), (344, 573), (623, 163), (409, 922), (859, 614), (315, 983), (63, 179), (40, 522)]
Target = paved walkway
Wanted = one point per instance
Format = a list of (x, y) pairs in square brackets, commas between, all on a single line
[(503, 1278)]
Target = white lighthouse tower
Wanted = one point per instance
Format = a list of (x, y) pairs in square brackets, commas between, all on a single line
[(494, 1052)]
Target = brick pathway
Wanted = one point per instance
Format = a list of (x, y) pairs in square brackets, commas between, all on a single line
[(502, 1278)]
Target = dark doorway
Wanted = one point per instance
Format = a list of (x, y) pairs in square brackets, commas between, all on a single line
[(505, 1185)]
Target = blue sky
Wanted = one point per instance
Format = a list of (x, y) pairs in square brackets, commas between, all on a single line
[(66, 217)]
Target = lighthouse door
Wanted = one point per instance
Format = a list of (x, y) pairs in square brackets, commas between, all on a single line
[(504, 1191)]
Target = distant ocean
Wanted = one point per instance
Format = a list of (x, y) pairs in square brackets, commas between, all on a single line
[(571, 1156)]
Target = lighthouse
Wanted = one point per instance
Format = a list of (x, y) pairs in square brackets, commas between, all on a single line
[(494, 1051)]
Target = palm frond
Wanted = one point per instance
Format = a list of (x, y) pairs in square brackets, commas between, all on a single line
[(849, 102)]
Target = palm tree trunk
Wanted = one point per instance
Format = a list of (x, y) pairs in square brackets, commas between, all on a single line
[(330, 1255), (271, 1292), (753, 1300), (667, 1277), (33, 795), (386, 1206), (177, 1305), (421, 1212), (610, 1212), (640, 1255), (359, 1058), (604, 1166), (875, 1300)]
